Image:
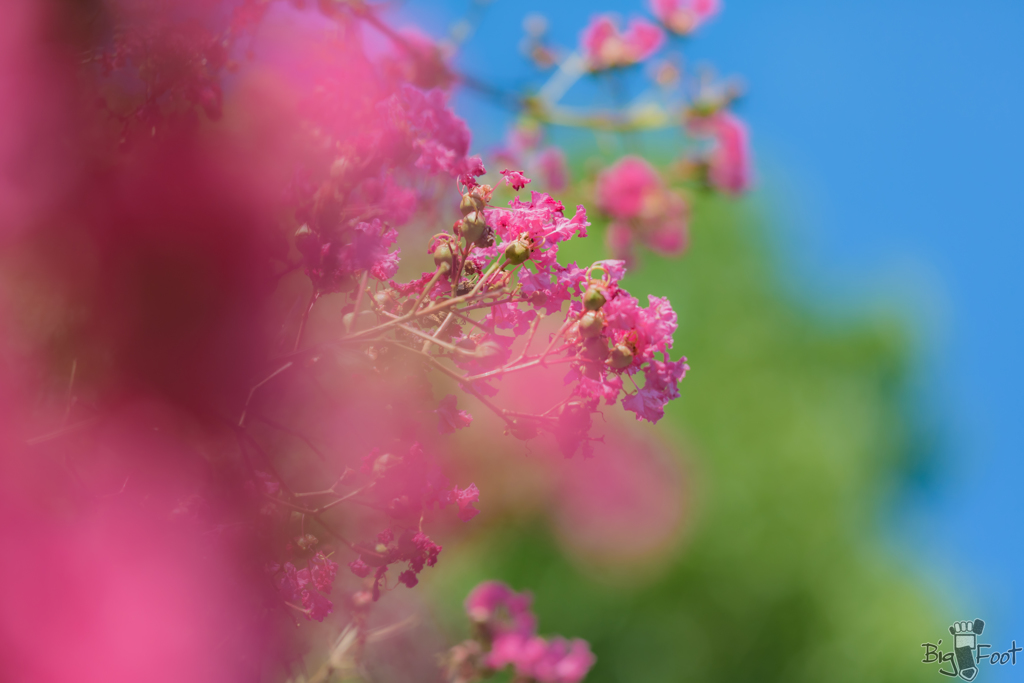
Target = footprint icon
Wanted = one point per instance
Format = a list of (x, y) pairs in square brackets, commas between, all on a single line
[(965, 639)]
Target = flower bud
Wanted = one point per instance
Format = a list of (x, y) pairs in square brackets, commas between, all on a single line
[(517, 252), (473, 226), (593, 299), (621, 357), (591, 325), (521, 429), (470, 203), (443, 258)]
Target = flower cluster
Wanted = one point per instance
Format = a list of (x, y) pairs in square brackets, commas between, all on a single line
[(504, 261), (683, 17), (727, 166), (642, 208), (605, 46), (506, 633), (309, 585)]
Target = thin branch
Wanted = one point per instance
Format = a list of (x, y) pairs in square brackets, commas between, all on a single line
[(432, 340), (275, 373), (305, 317), (297, 435), (529, 339), (70, 395), (440, 330)]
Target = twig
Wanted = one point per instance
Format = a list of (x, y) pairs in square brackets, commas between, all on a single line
[(529, 339), (440, 330), (294, 433), (70, 397), (305, 316), (275, 373), (432, 340)]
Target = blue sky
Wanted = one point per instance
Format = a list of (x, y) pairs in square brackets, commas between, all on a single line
[(889, 140)]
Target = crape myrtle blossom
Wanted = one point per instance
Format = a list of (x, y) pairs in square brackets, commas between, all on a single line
[(515, 179), (641, 208), (523, 148), (604, 46), (729, 165), (683, 17), (505, 623), (508, 258)]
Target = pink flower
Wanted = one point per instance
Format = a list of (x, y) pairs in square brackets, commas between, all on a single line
[(323, 570), (627, 187), (499, 607), (632, 192), (359, 568), (465, 499), (605, 47), (660, 387), (684, 16), (563, 661), (317, 605), (554, 169), (515, 178), (557, 661), (450, 417), (729, 164), (418, 60)]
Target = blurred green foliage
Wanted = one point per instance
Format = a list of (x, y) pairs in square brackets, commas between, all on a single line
[(794, 430)]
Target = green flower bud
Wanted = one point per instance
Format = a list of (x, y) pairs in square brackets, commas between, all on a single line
[(521, 429), (593, 299), (517, 252), (591, 325), (470, 203), (622, 357), (473, 226), (443, 258)]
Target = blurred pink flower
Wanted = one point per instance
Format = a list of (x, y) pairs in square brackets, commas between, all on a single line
[(632, 193), (418, 60), (605, 47), (523, 149), (625, 508), (502, 609), (554, 169), (729, 163), (507, 618), (450, 417), (684, 16)]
